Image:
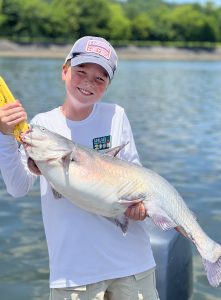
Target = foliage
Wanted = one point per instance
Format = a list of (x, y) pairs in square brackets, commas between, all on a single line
[(118, 25), (116, 20), (191, 24), (142, 25)]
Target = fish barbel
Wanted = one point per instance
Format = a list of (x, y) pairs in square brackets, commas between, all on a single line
[(103, 184)]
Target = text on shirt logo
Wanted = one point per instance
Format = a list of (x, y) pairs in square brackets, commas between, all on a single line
[(102, 143)]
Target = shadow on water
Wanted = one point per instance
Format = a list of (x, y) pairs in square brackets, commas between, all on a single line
[(174, 110)]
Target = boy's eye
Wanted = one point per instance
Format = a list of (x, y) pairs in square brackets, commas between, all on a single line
[(100, 79)]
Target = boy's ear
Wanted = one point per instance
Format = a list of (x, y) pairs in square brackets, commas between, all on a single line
[(64, 72)]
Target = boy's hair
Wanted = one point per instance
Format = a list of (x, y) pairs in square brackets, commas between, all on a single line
[(67, 63)]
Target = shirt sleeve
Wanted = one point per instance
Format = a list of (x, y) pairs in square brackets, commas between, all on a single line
[(129, 152), (13, 166)]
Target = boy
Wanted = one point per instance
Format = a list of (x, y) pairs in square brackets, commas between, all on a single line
[(89, 256)]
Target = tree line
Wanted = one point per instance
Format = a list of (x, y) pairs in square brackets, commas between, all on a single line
[(122, 21)]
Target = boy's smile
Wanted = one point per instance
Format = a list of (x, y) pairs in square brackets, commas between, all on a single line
[(85, 92)]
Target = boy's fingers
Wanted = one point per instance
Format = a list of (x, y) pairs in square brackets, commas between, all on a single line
[(7, 118), (143, 212), (11, 105), (12, 111), (14, 122), (136, 212), (12, 108)]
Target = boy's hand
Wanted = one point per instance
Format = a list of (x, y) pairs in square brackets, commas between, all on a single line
[(10, 115), (137, 212)]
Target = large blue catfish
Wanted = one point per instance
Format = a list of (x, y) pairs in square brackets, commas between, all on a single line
[(105, 185)]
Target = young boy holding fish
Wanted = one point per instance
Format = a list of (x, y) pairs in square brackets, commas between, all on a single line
[(89, 256)]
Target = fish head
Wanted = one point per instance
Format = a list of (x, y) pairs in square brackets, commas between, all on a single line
[(42, 144)]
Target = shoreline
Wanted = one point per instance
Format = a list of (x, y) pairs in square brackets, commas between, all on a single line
[(10, 49)]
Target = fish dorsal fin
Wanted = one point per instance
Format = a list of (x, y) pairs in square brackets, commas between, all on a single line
[(114, 151)]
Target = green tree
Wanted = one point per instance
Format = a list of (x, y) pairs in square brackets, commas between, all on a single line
[(2, 15), (162, 29), (118, 25), (190, 24), (135, 7), (93, 17), (142, 27), (63, 22), (218, 21), (24, 18), (214, 13), (31, 18), (67, 20), (9, 16)]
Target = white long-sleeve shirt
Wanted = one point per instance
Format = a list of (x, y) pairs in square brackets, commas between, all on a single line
[(83, 247)]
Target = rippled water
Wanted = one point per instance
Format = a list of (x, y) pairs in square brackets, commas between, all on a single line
[(175, 112)]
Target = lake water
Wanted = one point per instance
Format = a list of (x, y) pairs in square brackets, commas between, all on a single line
[(175, 112)]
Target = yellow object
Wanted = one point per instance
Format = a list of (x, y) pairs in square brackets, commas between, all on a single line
[(5, 98)]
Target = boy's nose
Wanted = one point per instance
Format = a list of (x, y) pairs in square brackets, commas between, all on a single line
[(89, 81)]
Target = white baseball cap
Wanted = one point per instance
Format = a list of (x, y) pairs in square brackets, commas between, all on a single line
[(91, 49)]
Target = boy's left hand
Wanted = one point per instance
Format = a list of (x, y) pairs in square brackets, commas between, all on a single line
[(137, 212)]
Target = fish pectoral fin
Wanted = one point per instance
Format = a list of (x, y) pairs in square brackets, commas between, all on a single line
[(128, 203), (114, 151), (164, 222), (132, 200), (122, 221), (66, 159)]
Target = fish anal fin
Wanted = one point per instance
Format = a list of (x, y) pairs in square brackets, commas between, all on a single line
[(114, 151), (163, 222), (56, 194)]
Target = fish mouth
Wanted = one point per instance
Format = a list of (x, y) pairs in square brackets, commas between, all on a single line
[(26, 141)]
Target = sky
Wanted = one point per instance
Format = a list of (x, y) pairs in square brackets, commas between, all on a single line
[(217, 2)]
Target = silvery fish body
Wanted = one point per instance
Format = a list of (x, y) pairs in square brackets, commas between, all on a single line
[(105, 185)]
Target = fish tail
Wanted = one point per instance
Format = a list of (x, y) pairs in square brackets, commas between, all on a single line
[(213, 269)]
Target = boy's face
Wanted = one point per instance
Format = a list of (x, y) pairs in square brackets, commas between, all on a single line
[(85, 83)]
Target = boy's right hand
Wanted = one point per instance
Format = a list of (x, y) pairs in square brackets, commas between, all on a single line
[(10, 115)]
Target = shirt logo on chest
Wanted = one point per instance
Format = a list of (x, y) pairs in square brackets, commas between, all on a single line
[(102, 143)]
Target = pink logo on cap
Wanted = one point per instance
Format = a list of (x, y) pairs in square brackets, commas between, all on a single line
[(98, 47)]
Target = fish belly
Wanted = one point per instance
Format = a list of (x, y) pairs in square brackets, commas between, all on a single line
[(89, 194)]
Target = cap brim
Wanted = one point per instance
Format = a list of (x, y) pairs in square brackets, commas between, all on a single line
[(82, 59)]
